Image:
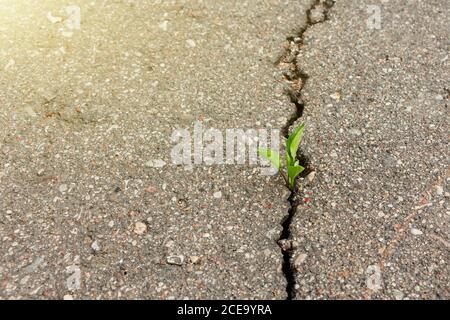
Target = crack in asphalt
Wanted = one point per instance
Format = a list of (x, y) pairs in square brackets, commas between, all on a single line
[(297, 78)]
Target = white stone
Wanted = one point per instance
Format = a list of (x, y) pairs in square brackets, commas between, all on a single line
[(373, 278), (416, 232), (140, 227), (310, 177), (175, 260), (158, 163), (194, 259), (95, 246)]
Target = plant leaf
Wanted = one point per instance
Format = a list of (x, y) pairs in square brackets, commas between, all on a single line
[(292, 144), (272, 156), (289, 160), (293, 172)]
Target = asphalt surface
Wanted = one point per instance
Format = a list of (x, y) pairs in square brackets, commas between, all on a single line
[(91, 206), (85, 111), (374, 222)]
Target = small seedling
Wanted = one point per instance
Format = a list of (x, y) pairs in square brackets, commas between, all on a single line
[(292, 163)]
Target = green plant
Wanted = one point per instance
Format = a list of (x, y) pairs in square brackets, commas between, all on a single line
[(292, 163)]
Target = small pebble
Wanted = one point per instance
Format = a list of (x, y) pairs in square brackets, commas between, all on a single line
[(336, 96), (218, 194), (194, 259), (158, 163), (310, 177), (140, 228), (416, 232), (175, 260), (285, 245), (95, 246), (355, 132)]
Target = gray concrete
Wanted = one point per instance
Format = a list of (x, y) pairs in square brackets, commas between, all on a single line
[(376, 219), (83, 111)]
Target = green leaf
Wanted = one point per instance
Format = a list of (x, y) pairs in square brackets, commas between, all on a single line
[(272, 156), (289, 160), (292, 144), (293, 172)]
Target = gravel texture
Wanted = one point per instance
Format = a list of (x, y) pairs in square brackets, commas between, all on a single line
[(374, 222)]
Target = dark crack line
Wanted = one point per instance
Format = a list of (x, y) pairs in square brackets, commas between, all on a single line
[(297, 78)]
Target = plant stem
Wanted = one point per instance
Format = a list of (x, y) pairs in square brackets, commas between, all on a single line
[(285, 178)]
